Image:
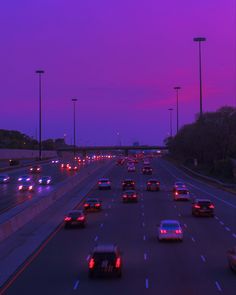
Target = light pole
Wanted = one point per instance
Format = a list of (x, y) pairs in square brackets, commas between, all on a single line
[(40, 72), (177, 88), (74, 100), (170, 109), (199, 40)]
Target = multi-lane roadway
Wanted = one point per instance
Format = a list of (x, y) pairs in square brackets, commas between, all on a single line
[(195, 266)]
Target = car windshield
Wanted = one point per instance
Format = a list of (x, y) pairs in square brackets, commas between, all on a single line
[(170, 225), (104, 256), (75, 214)]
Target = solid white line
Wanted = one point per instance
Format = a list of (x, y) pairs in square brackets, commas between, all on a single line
[(76, 285), (203, 258), (227, 228), (146, 283), (96, 238), (145, 256), (193, 239), (144, 237), (234, 235), (221, 222), (218, 286)]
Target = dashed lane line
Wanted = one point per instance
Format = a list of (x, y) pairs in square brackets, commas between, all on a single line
[(76, 285), (144, 237), (146, 283), (95, 239), (218, 286), (203, 258), (193, 239)]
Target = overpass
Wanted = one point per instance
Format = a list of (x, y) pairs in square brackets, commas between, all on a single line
[(126, 148)]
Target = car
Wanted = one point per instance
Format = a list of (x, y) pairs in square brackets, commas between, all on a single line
[(26, 186), (128, 184), (203, 207), (64, 165), (178, 184), (147, 170), (104, 183), (4, 178), (45, 180), (131, 168), (35, 169), (182, 194), (72, 167), (130, 196), (170, 230), (92, 204), (153, 185), (105, 260), (24, 178), (231, 256), (146, 162), (120, 161), (75, 218), (56, 161), (14, 162)]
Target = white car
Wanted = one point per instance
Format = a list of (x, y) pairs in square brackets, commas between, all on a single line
[(104, 183), (181, 194), (179, 184), (170, 230)]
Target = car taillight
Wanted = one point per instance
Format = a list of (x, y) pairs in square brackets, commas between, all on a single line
[(99, 182), (80, 218), (176, 193), (178, 231), (197, 206), (134, 196), (149, 182), (124, 196), (97, 205), (67, 218), (91, 263), (163, 231), (30, 187), (118, 262), (38, 169), (20, 187), (211, 206), (86, 205), (158, 182)]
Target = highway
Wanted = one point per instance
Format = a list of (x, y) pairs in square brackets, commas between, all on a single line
[(11, 197), (195, 266)]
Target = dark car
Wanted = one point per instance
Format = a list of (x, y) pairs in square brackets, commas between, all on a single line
[(75, 218), (92, 204), (14, 162), (231, 256), (182, 194), (147, 170), (35, 169), (203, 207), (45, 180), (130, 196), (153, 185), (72, 167), (105, 260), (25, 186), (128, 184)]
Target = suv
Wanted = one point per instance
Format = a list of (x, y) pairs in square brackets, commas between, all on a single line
[(202, 207), (104, 183), (147, 170), (105, 260), (153, 185), (130, 196), (128, 184)]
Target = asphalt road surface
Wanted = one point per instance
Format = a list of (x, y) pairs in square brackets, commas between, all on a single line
[(195, 266)]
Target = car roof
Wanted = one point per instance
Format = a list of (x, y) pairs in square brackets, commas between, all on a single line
[(129, 191), (107, 179), (170, 221), (128, 179), (75, 212), (92, 199), (179, 189), (105, 248), (152, 179), (46, 176), (202, 200)]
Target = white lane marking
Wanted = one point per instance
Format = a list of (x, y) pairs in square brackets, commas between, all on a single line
[(87, 258), (227, 228), (185, 225), (144, 237), (109, 206), (96, 238), (76, 285), (106, 214), (101, 225), (218, 286), (146, 283), (179, 215), (113, 200), (145, 256), (221, 222), (142, 213), (193, 239), (174, 206), (203, 258), (143, 224), (216, 217), (234, 235)]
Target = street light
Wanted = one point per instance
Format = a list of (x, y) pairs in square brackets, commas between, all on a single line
[(177, 88), (170, 109), (40, 72), (74, 100), (199, 40)]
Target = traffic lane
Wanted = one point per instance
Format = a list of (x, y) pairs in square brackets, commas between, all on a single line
[(224, 211), (212, 238)]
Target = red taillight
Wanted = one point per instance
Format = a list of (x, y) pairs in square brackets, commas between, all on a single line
[(149, 182), (91, 263), (80, 218), (67, 218), (176, 193), (211, 206), (118, 262), (178, 231), (99, 182), (86, 205), (134, 196), (163, 231), (197, 206), (97, 205)]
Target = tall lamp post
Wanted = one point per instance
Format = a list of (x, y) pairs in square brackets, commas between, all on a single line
[(40, 72), (177, 88), (200, 40), (170, 110), (74, 100)]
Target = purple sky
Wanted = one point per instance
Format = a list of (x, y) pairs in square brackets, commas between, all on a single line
[(120, 59)]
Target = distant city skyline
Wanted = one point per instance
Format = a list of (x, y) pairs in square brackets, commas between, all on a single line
[(120, 59)]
